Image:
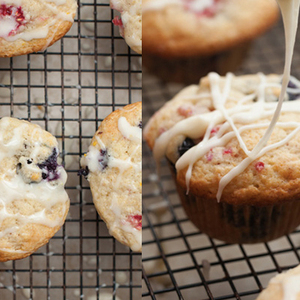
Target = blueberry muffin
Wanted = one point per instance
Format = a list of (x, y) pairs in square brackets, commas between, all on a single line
[(31, 26), (209, 133), (33, 202), (284, 286), (130, 23), (113, 168), (197, 36)]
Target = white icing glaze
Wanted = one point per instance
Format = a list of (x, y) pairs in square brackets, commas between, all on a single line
[(15, 188), (132, 133), (291, 287), (7, 25), (244, 112)]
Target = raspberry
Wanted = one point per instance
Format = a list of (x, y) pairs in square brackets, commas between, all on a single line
[(215, 130), (227, 151), (135, 221), (259, 166), (209, 155), (14, 12), (117, 21)]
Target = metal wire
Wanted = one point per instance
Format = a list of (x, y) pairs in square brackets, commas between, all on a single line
[(179, 262), (68, 90)]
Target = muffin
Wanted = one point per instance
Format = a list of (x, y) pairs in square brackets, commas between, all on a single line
[(130, 23), (33, 202), (284, 286), (207, 133), (31, 26), (113, 168), (201, 36)]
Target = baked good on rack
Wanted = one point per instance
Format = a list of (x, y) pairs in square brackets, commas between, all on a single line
[(113, 168), (33, 202), (31, 26), (284, 286), (209, 133), (130, 23), (185, 39)]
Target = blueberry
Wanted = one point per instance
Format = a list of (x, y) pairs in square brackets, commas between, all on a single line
[(140, 124), (293, 96), (185, 146), (84, 172), (49, 167), (103, 159)]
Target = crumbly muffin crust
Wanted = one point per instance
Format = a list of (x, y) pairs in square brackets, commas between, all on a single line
[(113, 168)]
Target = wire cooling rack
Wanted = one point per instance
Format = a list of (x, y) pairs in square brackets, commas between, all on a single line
[(68, 90), (179, 262)]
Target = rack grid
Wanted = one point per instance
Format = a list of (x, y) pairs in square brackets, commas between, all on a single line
[(179, 262), (68, 90)]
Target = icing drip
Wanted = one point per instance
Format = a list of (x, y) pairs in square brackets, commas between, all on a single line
[(132, 133), (14, 188), (245, 113)]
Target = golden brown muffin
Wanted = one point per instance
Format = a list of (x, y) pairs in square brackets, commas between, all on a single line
[(258, 193), (113, 168), (33, 202), (186, 39), (31, 26)]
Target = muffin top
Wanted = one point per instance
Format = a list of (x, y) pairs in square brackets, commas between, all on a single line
[(210, 131), (183, 28), (284, 286)]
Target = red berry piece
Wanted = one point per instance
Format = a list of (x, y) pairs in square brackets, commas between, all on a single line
[(118, 22), (215, 130), (209, 155), (227, 151), (259, 166), (16, 13), (135, 221)]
